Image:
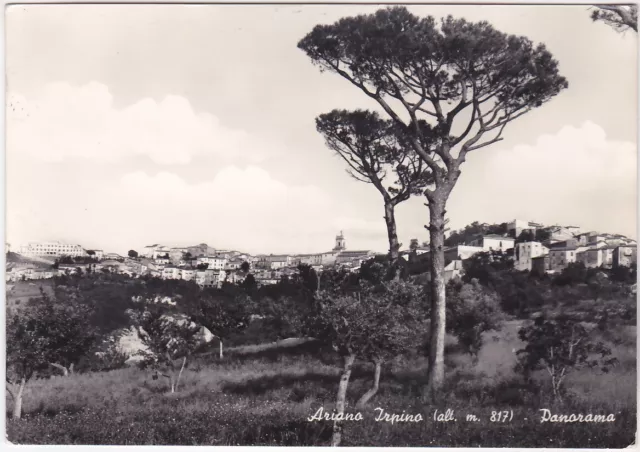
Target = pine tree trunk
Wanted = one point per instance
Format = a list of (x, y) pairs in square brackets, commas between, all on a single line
[(438, 298), (17, 405), (340, 401), (392, 234), (376, 384), (220, 348)]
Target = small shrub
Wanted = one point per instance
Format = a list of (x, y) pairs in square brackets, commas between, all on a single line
[(560, 346)]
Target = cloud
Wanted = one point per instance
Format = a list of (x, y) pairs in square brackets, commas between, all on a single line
[(241, 208), (577, 176), (238, 206), (69, 121)]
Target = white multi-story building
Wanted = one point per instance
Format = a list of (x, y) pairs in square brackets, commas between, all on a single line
[(329, 258), (207, 278), (188, 274), (171, 273), (148, 251), (215, 262), (517, 226), (234, 276), (161, 251), (562, 233), (279, 261), (460, 252), (155, 250), (309, 259), (97, 254), (234, 264), (494, 243), (40, 249), (353, 257), (525, 252)]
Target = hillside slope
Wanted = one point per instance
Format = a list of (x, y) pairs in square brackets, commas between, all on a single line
[(13, 259)]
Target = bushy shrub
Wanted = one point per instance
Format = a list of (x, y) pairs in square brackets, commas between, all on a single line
[(259, 331), (572, 274), (108, 356), (471, 311), (487, 266)]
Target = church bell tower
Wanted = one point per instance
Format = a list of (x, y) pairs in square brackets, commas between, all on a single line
[(340, 243)]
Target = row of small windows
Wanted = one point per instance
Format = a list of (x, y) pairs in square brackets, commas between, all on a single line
[(68, 247)]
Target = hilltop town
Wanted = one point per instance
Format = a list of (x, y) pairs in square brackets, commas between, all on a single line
[(207, 266), (533, 247)]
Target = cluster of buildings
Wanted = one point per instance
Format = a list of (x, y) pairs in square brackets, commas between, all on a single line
[(565, 244), (339, 256), (592, 249), (210, 267), (207, 266), (455, 255)]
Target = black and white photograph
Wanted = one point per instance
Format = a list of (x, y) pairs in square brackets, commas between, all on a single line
[(327, 224)]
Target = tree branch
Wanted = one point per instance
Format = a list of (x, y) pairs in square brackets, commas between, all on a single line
[(64, 370), (433, 165), (487, 143), (624, 15), (13, 397)]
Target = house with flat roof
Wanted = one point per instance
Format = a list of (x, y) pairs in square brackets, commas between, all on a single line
[(353, 257), (526, 252), (625, 256), (493, 242), (561, 257)]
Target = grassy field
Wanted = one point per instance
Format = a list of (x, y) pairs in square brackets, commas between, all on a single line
[(263, 395)]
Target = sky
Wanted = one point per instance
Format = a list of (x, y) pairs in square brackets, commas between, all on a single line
[(129, 125)]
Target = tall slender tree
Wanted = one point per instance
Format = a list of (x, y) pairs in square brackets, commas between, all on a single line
[(450, 88), (369, 146)]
